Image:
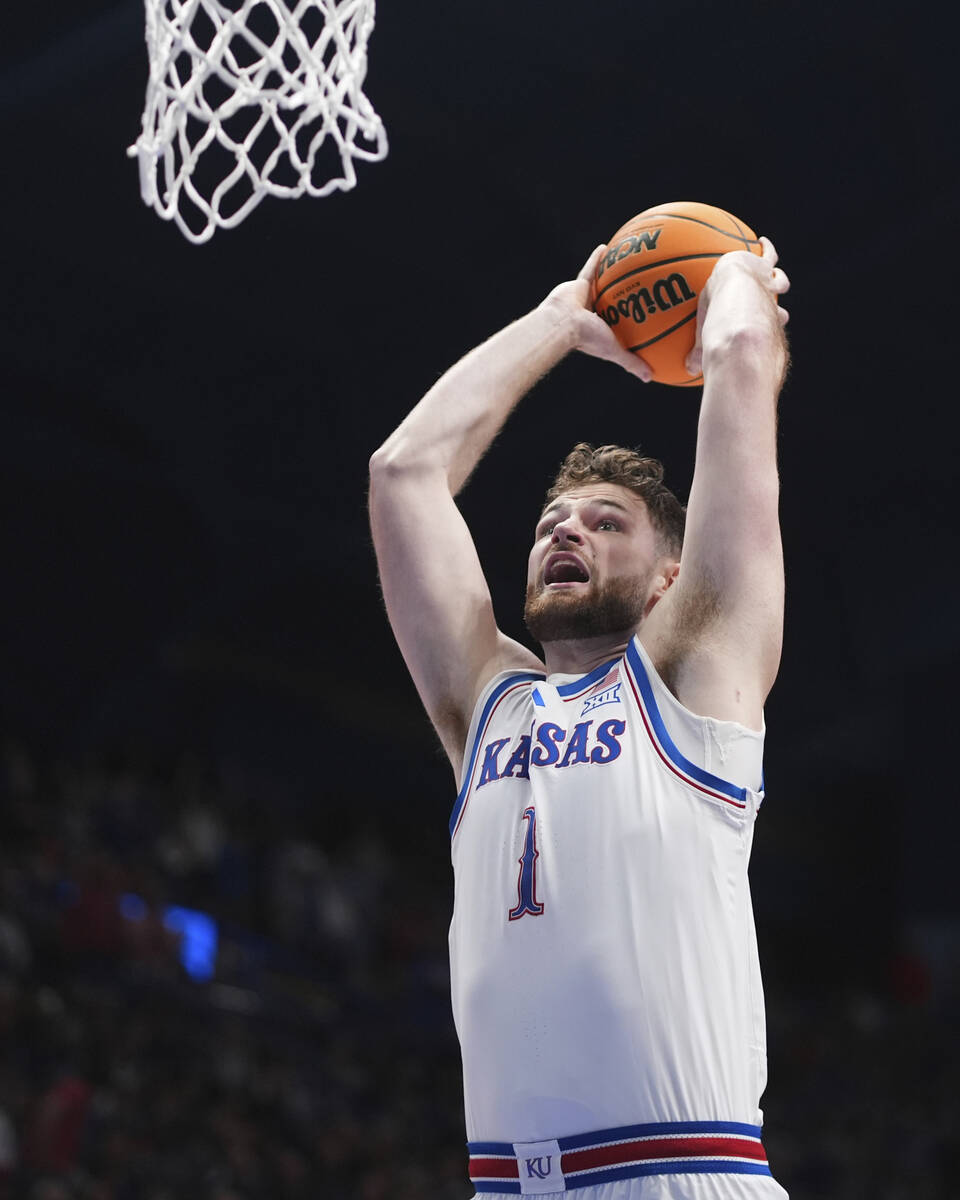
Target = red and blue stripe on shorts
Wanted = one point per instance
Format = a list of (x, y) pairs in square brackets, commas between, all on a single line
[(671, 1148)]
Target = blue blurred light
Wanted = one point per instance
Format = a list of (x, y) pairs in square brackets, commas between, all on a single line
[(198, 940)]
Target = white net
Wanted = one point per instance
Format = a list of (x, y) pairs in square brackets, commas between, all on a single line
[(249, 99)]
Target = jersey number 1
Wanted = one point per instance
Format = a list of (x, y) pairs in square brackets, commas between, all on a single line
[(527, 883)]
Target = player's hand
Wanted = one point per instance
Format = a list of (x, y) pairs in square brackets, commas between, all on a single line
[(741, 287), (570, 301)]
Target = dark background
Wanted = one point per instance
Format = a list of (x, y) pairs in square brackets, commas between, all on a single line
[(190, 593)]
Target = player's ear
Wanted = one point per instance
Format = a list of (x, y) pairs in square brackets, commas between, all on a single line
[(667, 571)]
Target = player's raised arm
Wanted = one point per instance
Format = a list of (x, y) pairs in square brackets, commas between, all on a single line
[(433, 585), (720, 635)]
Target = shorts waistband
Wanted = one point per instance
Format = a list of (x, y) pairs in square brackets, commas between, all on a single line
[(579, 1160)]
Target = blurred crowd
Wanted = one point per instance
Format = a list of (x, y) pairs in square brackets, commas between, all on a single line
[(318, 1059)]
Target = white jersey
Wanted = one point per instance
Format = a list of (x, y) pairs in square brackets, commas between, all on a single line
[(604, 963)]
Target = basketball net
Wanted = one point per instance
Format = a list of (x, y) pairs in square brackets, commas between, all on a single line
[(252, 98)]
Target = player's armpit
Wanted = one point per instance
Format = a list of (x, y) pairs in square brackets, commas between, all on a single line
[(436, 596), (720, 626), (718, 663)]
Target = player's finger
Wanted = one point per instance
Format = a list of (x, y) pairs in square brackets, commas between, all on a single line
[(589, 268), (694, 360), (635, 365), (642, 369), (769, 251), (628, 360), (783, 315), (781, 281)]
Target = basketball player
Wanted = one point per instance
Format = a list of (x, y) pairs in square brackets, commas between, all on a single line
[(605, 978)]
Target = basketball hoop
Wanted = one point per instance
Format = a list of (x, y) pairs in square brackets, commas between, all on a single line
[(252, 98)]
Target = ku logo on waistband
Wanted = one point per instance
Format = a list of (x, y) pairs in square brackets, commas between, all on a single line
[(539, 1168)]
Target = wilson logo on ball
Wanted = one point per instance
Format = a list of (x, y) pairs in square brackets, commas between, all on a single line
[(665, 294)]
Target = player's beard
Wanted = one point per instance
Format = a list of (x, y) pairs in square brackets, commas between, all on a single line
[(612, 607)]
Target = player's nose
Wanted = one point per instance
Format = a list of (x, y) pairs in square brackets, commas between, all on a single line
[(566, 531)]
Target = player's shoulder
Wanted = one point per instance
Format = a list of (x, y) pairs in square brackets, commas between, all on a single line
[(724, 753), (510, 658), (512, 667)]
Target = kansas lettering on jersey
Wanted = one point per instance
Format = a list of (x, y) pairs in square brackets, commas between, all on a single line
[(603, 955)]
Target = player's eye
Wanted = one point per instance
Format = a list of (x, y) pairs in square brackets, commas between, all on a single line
[(606, 523)]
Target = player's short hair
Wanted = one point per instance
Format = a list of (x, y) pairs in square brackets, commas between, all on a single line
[(630, 469)]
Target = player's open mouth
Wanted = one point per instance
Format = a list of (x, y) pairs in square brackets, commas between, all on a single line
[(564, 569)]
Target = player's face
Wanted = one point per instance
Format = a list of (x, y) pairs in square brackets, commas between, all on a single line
[(594, 564)]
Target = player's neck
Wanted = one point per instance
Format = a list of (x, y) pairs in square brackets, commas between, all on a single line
[(579, 656)]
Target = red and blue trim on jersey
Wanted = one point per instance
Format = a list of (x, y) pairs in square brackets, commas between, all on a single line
[(572, 691), (639, 682), (494, 700), (690, 773), (671, 1148)]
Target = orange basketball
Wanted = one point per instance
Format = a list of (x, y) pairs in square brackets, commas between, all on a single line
[(655, 267)]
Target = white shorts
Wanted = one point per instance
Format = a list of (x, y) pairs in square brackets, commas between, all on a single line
[(667, 1187)]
